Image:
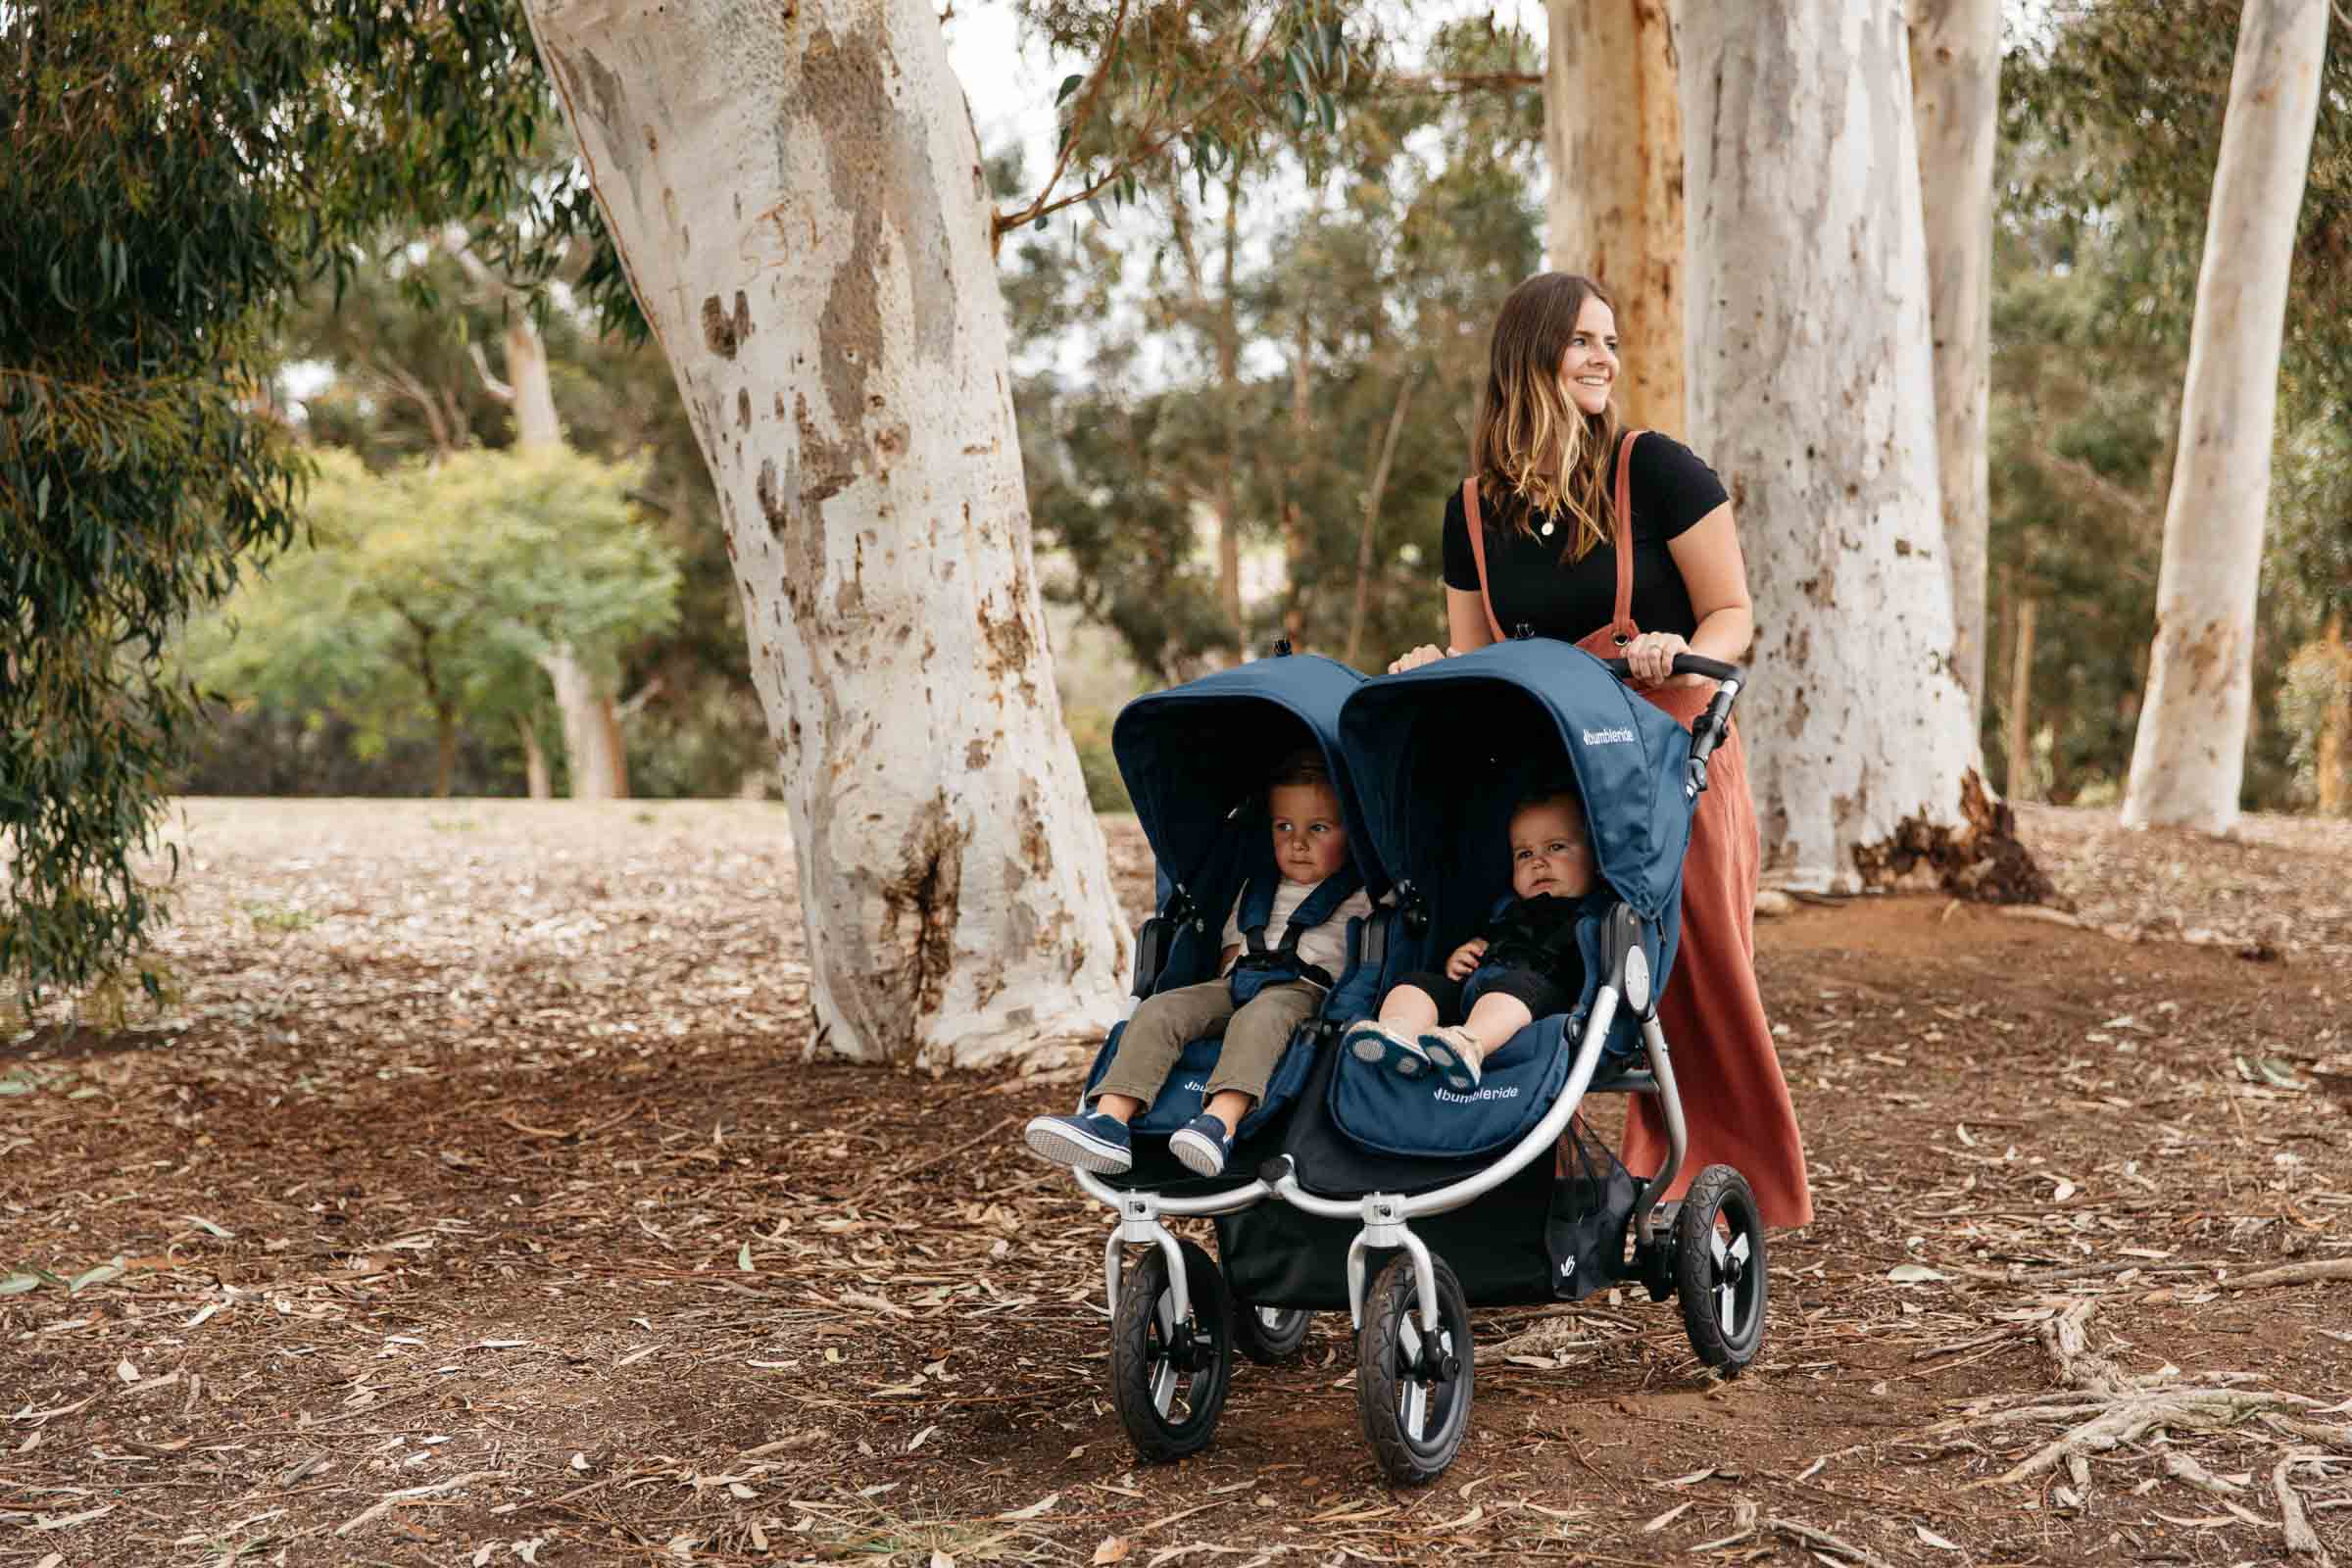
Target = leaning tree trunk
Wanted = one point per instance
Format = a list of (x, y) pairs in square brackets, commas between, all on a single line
[(535, 771), (1810, 368), (599, 762), (1614, 141), (2190, 756), (1955, 91), (798, 198)]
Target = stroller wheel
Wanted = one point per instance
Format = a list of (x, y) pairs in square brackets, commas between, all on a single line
[(1719, 1268), (1412, 1379), (1168, 1378), (1269, 1335)]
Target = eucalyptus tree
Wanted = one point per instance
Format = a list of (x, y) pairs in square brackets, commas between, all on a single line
[(150, 223), (801, 212)]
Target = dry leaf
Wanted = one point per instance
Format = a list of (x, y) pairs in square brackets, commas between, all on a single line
[(1937, 1540), (1112, 1548), (940, 1560), (1035, 1509), (1915, 1274), (1668, 1517)]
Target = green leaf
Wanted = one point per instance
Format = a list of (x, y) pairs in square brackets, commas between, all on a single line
[(97, 1276), (1069, 85), (19, 1284)]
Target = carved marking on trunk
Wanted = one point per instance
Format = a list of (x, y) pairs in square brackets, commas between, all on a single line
[(724, 334)]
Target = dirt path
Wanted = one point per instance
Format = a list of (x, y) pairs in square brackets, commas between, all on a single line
[(472, 1206)]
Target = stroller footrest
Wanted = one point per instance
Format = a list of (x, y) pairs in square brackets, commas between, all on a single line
[(1625, 1083)]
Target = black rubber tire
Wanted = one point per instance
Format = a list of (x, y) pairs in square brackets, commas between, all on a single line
[(1720, 1271), (1138, 1352), (1269, 1343), (1392, 1314)]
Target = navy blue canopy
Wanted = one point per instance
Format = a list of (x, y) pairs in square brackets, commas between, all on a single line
[(1196, 759), (1442, 753)]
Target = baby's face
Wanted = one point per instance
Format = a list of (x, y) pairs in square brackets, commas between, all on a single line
[(1550, 851), (1310, 842)]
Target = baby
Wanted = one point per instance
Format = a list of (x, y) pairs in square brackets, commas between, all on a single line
[(1257, 1004), (1524, 967)]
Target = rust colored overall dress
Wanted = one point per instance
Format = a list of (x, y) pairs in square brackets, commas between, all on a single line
[(1735, 1106)]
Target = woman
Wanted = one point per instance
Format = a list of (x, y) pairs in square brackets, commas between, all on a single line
[(1534, 541)]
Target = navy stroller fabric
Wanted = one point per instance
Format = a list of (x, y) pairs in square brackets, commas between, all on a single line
[(1443, 753), (1196, 760)]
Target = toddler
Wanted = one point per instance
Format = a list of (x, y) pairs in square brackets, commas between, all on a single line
[(1523, 967), (1257, 1004)]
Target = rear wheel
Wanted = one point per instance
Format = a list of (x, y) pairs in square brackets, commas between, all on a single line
[(1719, 1268), (1269, 1335), (1168, 1375), (1412, 1379)]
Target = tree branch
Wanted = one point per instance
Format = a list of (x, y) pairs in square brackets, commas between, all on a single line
[(1069, 140), (1152, 148)]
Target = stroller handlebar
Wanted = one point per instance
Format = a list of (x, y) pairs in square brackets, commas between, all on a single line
[(1708, 731), (1685, 664)]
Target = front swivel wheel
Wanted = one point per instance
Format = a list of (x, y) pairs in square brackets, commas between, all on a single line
[(1269, 1335), (1168, 1374), (1719, 1268), (1412, 1379)]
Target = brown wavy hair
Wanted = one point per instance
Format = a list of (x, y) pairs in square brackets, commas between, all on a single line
[(1532, 449)]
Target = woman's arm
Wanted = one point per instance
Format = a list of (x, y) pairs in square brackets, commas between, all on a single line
[(1466, 620), (1715, 575)]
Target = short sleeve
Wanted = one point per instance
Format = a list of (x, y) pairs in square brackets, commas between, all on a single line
[(1462, 568), (1673, 487)]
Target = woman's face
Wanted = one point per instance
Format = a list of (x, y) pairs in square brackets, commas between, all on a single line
[(1590, 368)]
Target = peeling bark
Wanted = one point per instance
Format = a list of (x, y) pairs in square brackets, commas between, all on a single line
[(1810, 373), (2188, 758), (1955, 93), (797, 197), (1613, 136)]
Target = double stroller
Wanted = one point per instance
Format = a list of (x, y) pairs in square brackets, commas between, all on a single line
[(1348, 1184)]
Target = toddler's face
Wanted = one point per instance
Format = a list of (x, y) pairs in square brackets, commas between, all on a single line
[(1310, 842), (1550, 851)]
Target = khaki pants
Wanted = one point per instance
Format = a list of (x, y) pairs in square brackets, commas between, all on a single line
[(1254, 1036)]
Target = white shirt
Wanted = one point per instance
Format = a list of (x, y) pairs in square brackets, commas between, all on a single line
[(1324, 945)]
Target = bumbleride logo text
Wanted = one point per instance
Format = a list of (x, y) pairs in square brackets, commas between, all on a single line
[(1607, 737), (1196, 1086), (1448, 1098)]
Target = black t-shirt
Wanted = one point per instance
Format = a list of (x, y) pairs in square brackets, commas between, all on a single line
[(1672, 489)]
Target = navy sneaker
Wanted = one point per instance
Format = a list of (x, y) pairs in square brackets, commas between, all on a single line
[(1201, 1144), (1093, 1141)]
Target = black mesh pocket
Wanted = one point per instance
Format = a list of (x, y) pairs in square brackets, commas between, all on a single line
[(1592, 1197)]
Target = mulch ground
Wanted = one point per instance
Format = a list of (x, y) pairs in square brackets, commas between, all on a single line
[(472, 1202)]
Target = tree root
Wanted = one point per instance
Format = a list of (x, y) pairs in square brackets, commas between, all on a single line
[(2301, 1540)]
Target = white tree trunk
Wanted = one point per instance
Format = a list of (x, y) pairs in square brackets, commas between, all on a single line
[(798, 198), (1810, 378), (535, 773), (590, 737), (2190, 756), (1956, 92), (1613, 136), (598, 761), (536, 427)]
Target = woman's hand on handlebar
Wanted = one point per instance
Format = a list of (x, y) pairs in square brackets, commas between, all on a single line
[(1426, 654), (1650, 658)]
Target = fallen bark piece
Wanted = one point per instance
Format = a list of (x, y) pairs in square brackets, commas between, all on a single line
[(1823, 1539), (2333, 1268), (2301, 1540)]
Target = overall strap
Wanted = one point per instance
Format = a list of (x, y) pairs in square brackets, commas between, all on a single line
[(1622, 623)]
